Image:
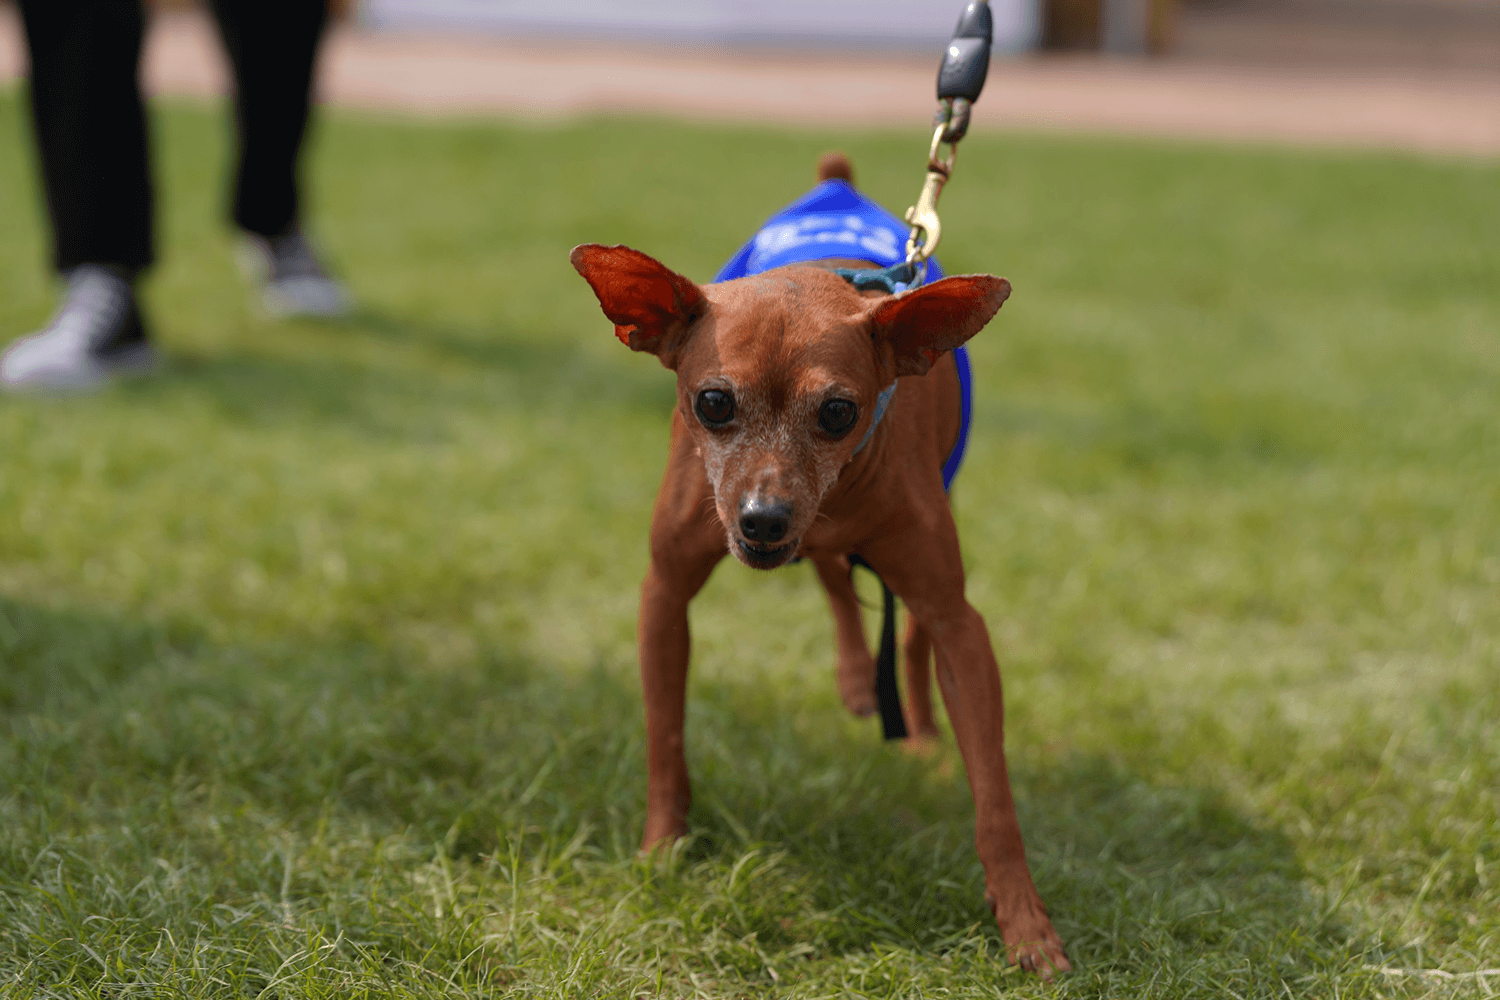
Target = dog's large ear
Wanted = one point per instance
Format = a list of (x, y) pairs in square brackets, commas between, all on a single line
[(915, 328), (650, 305)]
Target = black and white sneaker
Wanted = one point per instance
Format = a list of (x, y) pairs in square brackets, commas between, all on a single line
[(293, 281), (96, 335)]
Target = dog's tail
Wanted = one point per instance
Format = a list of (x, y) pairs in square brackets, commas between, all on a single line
[(835, 166)]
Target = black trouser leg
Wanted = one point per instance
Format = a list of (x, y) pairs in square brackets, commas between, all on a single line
[(91, 129), (272, 45)]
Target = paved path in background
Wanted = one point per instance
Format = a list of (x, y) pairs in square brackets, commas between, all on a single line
[(1446, 114)]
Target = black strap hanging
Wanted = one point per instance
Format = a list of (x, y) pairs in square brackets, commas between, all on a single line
[(887, 694)]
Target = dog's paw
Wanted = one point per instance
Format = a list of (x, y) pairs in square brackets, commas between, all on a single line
[(861, 704), (666, 818), (656, 840), (1030, 940), (920, 744), (1043, 958), (857, 686)]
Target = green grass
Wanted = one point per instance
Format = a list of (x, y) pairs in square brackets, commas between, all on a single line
[(316, 652)]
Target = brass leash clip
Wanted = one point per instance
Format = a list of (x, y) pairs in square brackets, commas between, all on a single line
[(961, 76)]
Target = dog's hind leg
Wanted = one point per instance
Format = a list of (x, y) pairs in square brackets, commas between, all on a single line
[(918, 649), (856, 670)]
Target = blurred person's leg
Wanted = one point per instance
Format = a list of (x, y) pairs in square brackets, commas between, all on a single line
[(90, 129), (273, 46)]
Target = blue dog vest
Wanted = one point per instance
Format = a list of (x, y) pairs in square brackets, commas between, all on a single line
[(835, 220)]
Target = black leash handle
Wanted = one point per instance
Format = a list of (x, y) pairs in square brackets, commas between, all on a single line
[(966, 62), (961, 76)]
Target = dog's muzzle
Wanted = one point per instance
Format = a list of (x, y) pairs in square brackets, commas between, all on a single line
[(764, 558), (762, 530)]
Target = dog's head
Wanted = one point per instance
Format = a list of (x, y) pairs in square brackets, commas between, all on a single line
[(778, 375)]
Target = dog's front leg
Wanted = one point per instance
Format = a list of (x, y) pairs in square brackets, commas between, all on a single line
[(662, 634), (664, 650), (926, 572), (970, 682), (687, 542)]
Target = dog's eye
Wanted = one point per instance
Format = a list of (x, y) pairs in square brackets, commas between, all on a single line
[(715, 407), (837, 416)]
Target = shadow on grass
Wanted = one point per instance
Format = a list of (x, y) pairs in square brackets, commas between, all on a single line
[(216, 756), (422, 376), (58, 659), (608, 379)]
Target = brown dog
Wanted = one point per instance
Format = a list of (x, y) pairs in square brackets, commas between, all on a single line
[(778, 377)]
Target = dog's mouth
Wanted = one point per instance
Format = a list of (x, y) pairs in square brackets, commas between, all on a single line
[(764, 556)]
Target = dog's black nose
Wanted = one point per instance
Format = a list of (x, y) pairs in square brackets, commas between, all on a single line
[(764, 522)]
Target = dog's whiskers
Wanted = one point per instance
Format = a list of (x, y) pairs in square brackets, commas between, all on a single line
[(710, 510)]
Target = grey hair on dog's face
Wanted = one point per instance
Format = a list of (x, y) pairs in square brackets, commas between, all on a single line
[(776, 449)]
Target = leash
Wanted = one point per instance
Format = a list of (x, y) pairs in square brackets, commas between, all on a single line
[(961, 75), (966, 63)]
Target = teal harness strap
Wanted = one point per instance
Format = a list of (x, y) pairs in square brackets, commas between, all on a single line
[(892, 280), (880, 404)]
